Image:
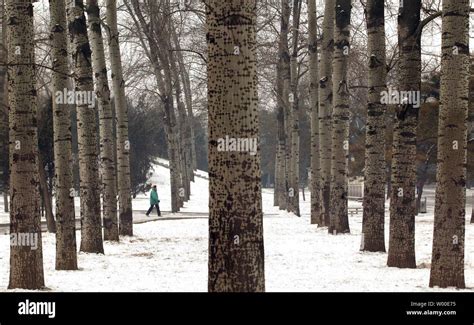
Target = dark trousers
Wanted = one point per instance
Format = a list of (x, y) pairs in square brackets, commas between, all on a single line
[(157, 209)]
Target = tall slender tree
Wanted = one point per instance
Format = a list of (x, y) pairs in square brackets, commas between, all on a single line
[(314, 102), (66, 256), (283, 76), (91, 230), (121, 114), (373, 234), (339, 221), (26, 262), (447, 264), (106, 123), (325, 108), (293, 123), (401, 251), (236, 252), (3, 109), (188, 97)]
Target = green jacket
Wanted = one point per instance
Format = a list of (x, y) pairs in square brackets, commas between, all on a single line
[(154, 197)]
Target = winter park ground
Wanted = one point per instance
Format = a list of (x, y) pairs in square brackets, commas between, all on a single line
[(170, 253)]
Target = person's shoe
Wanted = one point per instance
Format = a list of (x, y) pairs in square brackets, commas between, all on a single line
[(147, 214)]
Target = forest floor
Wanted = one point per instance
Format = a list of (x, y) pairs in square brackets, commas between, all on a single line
[(170, 253)]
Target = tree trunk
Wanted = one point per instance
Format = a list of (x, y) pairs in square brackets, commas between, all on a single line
[(46, 195), (471, 116), (339, 221), (189, 106), (121, 113), (314, 104), (373, 223), (5, 201), (26, 262), (182, 125), (294, 115), (66, 247), (401, 252), (4, 128), (236, 251), (106, 124), (91, 230), (447, 264), (281, 192), (325, 108), (288, 116)]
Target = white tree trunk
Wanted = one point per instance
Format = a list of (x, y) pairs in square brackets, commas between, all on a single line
[(325, 107), (91, 230), (447, 264), (121, 113), (339, 221), (236, 252), (106, 124), (374, 185), (26, 263), (314, 104)]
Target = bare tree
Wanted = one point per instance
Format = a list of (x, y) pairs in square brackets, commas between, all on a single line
[(401, 252), (339, 221), (91, 230), (66, 247), (316, 215), (293, 121), (325, 108), (447, 264), (106, 125), (3, 108), (373, 234), (282, 92), (121, 113), (26, 262), (236, 252)]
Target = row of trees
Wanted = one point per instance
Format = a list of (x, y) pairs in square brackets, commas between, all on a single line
[(77, 44), (447, 267), (330, 130), (98, 133)]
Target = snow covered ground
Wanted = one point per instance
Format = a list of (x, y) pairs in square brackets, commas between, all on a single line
[(170, 254)]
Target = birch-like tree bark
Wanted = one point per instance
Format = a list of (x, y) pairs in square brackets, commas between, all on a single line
[(283, 76), (236, 251), (325, 108), (373, 233), (121, 115), (91, 230), (471, 115), (401, 252), (26, 262), (339, 221), (66, 247), (314, 103), (190, 141), (447, 264), (4, 156), (106, 123), (294, 176)]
